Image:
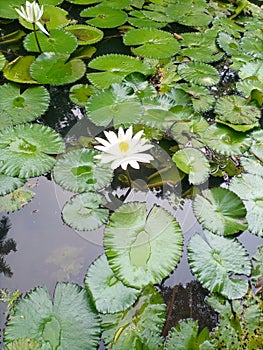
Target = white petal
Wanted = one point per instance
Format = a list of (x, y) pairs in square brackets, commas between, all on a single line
[(129, 133), (111, 136), (103, 142), (121, 134), (138, 135), (101, 148), (134, 164), (41, 27)]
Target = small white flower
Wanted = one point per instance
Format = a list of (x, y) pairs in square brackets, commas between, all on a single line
[(32, 13), (123, 149)]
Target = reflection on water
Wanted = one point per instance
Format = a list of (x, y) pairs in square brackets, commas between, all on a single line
[(6, 246)]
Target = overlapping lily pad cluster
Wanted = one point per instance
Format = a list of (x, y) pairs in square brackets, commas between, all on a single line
[(192, 80)]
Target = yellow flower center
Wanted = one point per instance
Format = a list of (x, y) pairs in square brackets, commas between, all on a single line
[(124, 146)]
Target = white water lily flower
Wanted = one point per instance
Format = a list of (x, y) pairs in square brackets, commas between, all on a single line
[(32, 13), (124, 149)]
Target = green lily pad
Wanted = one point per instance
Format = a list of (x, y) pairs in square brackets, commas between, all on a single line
[(199, 73), (7, 8), (58, 41), (23, 107), (201, 98), (247, 86), (25, 344), (115, 68), (220, 211), (215, 259), (229, 44), (257, 263), (9, 184), (116, 4), (252, 165), (50, 2), (15, 200), (104, 16), (79, 171), (252, 70), (249, 188), (138, 19), (18, 70), (135, 242), (110, 295), (193, 162), (226, 141), (69, 322), (56, 69), (114, 104), (139, 326), (80, 93), (154, 43), (26, 150), (235, 110), (82, 212), (252, 45), (86, 35)]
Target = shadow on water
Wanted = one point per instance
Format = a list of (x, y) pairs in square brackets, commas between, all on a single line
[(7, 245)]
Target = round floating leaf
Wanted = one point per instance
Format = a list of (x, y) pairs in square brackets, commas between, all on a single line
[(253, 46), (115, 104), (226, 141), (257, 262), (57, 69), (80, 93), (104, 16), (220, 211), (249, 188), (110, 294), (154, 43), (201, 98), (25, 150), (190, 13), (229, 44), (9, 184), (15, 200), (247, 86), (79, 171), (58, 41), (86, 35), (252, 70), (138, 19), (235, 110), (82, 212), (252, 165), (25, 344), (116, 4), (139, 326), (193, 162), (19, 70), (136, 242), (69, 322), (116, 67), (215, 259), (26, 106), (7, 8), (199, 73)]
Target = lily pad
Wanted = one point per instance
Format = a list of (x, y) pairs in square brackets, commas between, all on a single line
[(110, 295), (79, 171), (235, 110), (193, 162), (135, 242), (18, 70), (115, 68), (247, 86), (138, 19), (226, 141), (57, 69), (86, 35), (216, 261), (154, 43), (70, 321), (252, 70), (201, 98), (25, 344), (249, 188), (82, 212), (115, 103), (15, 200), (27, 148), (199, 73), (104, 16), (2, 61), (139, 326), (116, 4), (9, 184), (58, 41), (220, 211), (7, 8), (26, 106)]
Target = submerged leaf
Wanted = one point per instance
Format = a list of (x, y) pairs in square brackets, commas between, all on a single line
[(15, 200), (139, 326), (18, 70), (69, 322), (86, 35), (80, 171), (216, 261), (193, 162), (82, 212), (135, 242), (25, 344), (110, 295), (220, 211)]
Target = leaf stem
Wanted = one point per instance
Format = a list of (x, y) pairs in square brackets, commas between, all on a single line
[(36, 37)]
